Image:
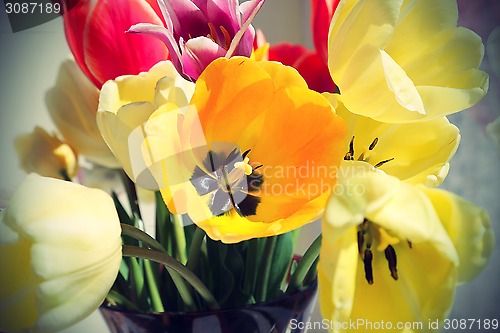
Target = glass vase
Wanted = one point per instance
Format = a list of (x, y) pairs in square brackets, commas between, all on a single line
[(281, 315)]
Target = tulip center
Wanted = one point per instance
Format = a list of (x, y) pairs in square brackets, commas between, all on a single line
[(213, 35), (365, 155), (228, 182), (371, 236)]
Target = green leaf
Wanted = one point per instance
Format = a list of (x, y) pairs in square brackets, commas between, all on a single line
[(282, 258)]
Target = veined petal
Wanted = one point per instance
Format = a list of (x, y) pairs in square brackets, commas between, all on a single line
[(197, 53), (357, 24), (417, 66), (321, 15), (416, 152), (165, 36), (469, 228), (365, 195), (75, 18), (108, 49)]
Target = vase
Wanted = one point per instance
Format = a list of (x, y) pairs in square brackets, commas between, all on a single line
[(281, 315)]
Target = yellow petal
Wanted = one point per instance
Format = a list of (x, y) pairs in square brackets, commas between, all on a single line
[(63, 260), (72, 105), (469, 228), (402, 62), (45, 154), (419, 152)]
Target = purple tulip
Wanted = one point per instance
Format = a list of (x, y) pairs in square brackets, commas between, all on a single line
[(200, 31)]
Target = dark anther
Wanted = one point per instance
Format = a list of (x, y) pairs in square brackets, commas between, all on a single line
[(367, 261), (373, 144), (361, 240), (258, 167), (246, 153), (350, 154), (390, 255), (410, 244), (379, 164)]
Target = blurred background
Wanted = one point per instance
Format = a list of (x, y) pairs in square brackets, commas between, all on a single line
[(29, 61)]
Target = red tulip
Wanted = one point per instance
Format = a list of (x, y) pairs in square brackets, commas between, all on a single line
[(95, 32), (311, 64), (321, 15)]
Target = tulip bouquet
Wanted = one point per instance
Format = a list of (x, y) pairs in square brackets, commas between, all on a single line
[(234, 144)]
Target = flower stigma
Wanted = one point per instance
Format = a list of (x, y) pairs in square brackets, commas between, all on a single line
[(228, 182)]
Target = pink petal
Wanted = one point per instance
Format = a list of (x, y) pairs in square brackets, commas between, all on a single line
[(165, 36), (187, 19), (243, 35), (109, 51), (74, 25), (322, 12), (198, 53), (247, 8), (156, 8), (224, 13)]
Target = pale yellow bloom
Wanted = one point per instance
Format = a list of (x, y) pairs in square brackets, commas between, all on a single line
[(60, 250), (128, 102), (72, 104), (417, 153), (404, 60), (394, 252), (45, 154)]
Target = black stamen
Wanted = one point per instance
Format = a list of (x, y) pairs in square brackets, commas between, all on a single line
[(367, 261), (246, 153), (361, 240), (379, 164), (390, 255), (410, 244), (373, 144), (258, 167), (350, 154)]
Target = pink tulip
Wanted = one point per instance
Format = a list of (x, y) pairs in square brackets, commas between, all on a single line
[(95, 32), (200, 31)]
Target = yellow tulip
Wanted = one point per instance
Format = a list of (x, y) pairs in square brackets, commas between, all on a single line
[(393, 252), (404, 60), (60, 251), (46, 154), (254, 155), (72, 105), (417, 153), (126, 104)]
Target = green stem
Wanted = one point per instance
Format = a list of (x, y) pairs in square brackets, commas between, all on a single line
[(180, 238), (155, 245), (116, 298), (304, 266), (265, 268), (140, 235), (195, 249), (251, 266), (169, 262), (154, 293), (131, 193)]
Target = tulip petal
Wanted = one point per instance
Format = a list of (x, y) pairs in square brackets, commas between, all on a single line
[(163, 35), (75, 21), (108, 53), (469, 228), (197, 53), (321, 15)]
